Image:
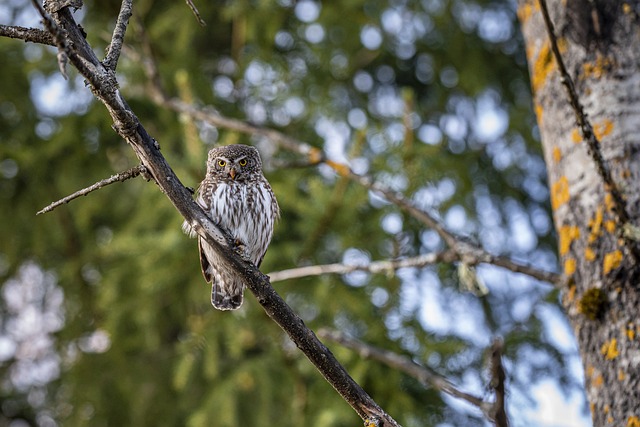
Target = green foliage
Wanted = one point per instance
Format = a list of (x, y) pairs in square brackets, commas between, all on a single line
[(408, 110)]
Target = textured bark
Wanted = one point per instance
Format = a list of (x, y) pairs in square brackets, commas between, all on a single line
[(600, 44)]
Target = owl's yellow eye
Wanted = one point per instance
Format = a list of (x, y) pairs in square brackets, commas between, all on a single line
[(243, 162), (222, 163)]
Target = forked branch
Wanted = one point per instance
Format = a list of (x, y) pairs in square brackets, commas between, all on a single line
[(113, 52)]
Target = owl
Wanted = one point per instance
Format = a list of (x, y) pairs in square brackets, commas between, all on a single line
[(238, 198)]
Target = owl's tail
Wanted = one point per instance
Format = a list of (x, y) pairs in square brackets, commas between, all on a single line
[(223, 300)]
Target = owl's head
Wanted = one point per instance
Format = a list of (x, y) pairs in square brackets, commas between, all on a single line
[(235, 162)]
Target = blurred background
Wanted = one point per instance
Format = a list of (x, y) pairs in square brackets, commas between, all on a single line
[(105, 317)]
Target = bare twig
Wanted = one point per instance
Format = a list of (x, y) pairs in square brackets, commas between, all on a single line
[(468, 252), (194, 9), (33, 35), (588, 135), (498, 377), (113, 53), (404, 364), (127, 125), (119, 177), (386, 266)]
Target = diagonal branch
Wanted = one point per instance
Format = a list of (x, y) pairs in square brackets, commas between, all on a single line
[(127, 125), (404, 364), (588, 135), (113, 54), (195, 12), (386, 266), (498, 377), (120, 177)]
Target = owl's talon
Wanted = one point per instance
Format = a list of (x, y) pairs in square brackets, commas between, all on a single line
[(241, 249)]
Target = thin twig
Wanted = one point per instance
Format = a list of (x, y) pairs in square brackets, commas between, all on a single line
[(588, 135), (194, 9), (33, 35), (63, 48), (375, 267), (404, 364), (498, 378), (113, 54), (468, 252), (119, 177)]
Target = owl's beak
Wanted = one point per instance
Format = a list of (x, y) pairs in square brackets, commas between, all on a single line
[(232, 173)]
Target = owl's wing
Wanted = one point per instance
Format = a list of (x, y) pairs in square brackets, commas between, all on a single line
[(204, 263)]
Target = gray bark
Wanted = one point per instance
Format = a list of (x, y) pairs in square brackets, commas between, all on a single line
[(600, 44)]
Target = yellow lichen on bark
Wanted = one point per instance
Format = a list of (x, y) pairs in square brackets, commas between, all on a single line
[(597, 68), (569, 266), (602, 129), (559, 192), (543, 65), (595, 225), (576, 136), (538, 110), (526, 10), (608, 202), (610, 349), (598, 381), (571, 294), (633, 421), (589, 254), (610, 226), (630, 332), (621, 375), (566, 236), (589, 370), (612, 260), (557, 154)]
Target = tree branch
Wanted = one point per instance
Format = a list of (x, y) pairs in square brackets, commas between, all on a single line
[(127, 125), (468, 252), (195, 12), (32, 35), (386, 266), (498, 377), (120, 177), (113, 53), (426, 376), (593, 145)]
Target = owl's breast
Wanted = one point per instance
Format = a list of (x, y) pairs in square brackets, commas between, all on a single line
[(246, 212)]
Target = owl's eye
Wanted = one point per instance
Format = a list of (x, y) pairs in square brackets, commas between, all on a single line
[(242, 162), (222, 163)]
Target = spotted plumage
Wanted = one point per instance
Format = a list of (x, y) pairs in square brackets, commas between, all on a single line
[(238, 198)]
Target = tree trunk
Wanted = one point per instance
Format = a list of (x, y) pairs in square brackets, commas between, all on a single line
[(599, 41)]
